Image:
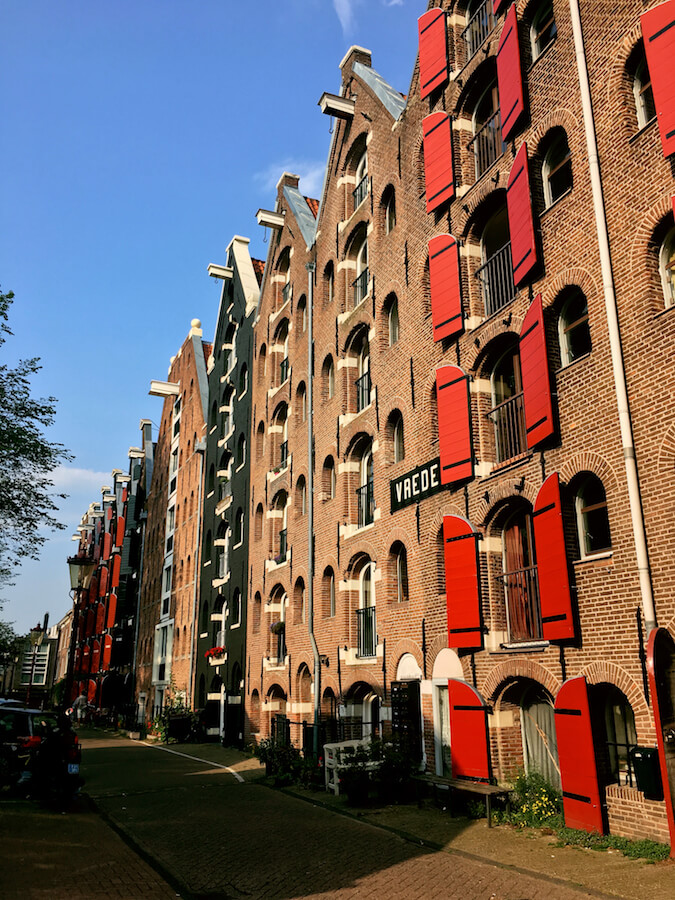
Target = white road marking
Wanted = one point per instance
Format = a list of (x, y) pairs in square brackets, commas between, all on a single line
[(195, 758)]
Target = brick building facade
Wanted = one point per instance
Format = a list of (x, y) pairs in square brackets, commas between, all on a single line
[(491, 498)]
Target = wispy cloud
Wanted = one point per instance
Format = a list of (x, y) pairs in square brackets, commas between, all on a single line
[(345, 13), (392, 2), (70, 478), (310, 172)]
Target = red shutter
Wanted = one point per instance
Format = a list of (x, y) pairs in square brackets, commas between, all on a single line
[(107, 653), (107, 545), (539, 422), (91, 690), (576, 755), (658, 31), (555, 597), (119, 535), (521, 220), (469, 732), (100, 618), (109, 513), (95, 657), (454, 424), (125, 494), (445, 286), (498, 6), (433, 50), (660, 657), (509, 76), (115, 574), (112, 611), (438, 171), (97, 551), (460, 543), (103, 581), (86, 655)]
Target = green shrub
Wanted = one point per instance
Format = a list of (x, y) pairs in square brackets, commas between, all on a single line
[(536, 802), (643, 849)]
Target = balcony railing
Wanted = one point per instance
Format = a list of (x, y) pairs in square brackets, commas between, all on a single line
[(365, 498), (281, 647), (283, 546), (366, 632), (508, 419), (496, 279), (480, 25), (360, 192), (285, 294), (283, 370), (487, 144), (360, 287), (283, 454), (522, 605), (363, 386)]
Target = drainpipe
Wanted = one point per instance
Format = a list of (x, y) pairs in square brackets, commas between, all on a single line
[(636, 514), (192, 670), (310, 496)]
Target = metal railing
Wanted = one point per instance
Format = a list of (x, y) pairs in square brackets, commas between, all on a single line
[(363, 386), (283, 370), (360, 192), (496, 279), (487, 144), (285, 294), (479, 26), (360, 287), (366, 632), (283, 454), (522, 605), (365, 498), (281, 647), (508, 419)]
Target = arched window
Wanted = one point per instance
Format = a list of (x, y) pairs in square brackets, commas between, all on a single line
[(365, 492), (360, 283), (258, 523), (299, 602), (613, 713), (590, 506), (260, 441), (399, 563), (329, 283), (301, 496), (328, 583), (523, 615), (235, 609), (204, 618), (397, 439), (543, 30), (239, 527), (391, 309), (262, 361), (573, 332), (280, 438), (496, 272), (241, 451), (361, 189), (328, 479), (328, 378), (257, 612), (507, 413), (243, 380), (366, 623), (487, 144), (280, 534), (389, 209), (667, 268), (363, 383), (301, 314), (208, 546), (556, 170), (301, 402), (642, 89), (281, 349)]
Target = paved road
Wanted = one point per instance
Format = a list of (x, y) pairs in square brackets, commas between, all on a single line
[(218, 833)]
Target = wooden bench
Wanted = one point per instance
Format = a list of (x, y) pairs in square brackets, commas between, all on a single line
[(469, 787)]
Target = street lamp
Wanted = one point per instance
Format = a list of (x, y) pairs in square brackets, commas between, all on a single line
[(35, 636), (81, 570)]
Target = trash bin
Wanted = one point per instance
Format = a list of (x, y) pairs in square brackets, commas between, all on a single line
[(645, 763)]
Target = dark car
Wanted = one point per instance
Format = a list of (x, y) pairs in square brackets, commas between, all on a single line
[(21, 733)]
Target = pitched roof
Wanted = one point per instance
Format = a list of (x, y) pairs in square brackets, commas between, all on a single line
[(391, 99), (207, 350), (258, 268), (313, 205), (302, 213)]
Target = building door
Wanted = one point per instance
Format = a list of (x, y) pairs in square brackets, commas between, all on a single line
[(519, 579), (661, 667)]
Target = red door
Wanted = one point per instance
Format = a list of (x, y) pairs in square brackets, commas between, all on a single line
[(661, 668), (576, 753), (469, 749)]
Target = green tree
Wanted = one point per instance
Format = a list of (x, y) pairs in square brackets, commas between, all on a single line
[(9, 643), (27, 461)]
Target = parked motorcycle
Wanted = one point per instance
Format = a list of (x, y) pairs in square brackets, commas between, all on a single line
[(55, 766)]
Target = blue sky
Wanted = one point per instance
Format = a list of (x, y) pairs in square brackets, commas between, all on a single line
[(138, 137)]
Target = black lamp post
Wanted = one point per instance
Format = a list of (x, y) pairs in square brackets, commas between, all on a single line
[(81, 569)]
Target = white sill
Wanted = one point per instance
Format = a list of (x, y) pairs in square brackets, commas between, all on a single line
[(594, 557), (237, 625), (553, 205), (640, 131), (239, 468), (527, 646), (572, 363)]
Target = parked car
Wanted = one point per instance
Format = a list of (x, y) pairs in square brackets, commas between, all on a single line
[(21, 732)]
